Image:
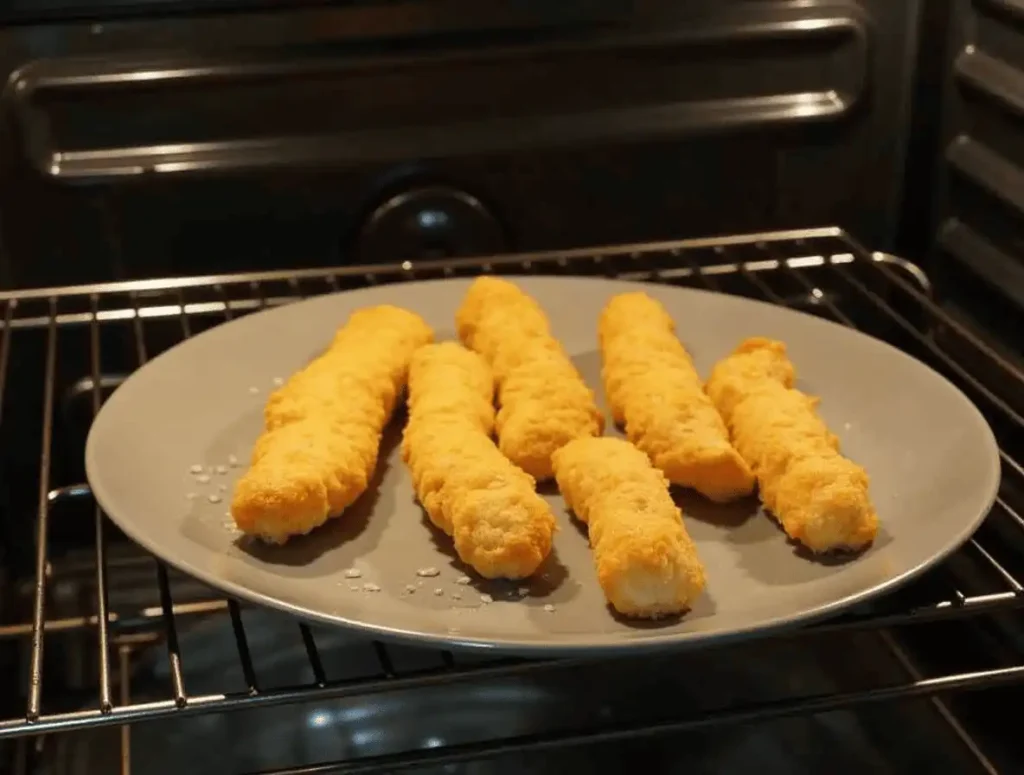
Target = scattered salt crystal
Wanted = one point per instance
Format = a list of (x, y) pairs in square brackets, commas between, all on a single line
[(232, 460), (222, 469), (213, 498), (439, 591), (410, 588), (190, 495), (353, 587), (428, 572), (254, 390), (353, 573), (523, 591), (222, 487), (370, 587), (549, 608), (462, 580), (278, 381), (202, 478), (485, 598), (196, 469), (456, 596), (453, 630)]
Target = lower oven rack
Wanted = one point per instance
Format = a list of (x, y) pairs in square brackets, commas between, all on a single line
[(822, 271)]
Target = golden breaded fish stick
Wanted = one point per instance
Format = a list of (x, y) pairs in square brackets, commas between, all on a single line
[(819, 497), (471, 491), (323, 427), (647, 564), (544, 401), (654, 390)]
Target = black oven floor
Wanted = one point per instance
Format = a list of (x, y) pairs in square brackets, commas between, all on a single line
[(895, 738)]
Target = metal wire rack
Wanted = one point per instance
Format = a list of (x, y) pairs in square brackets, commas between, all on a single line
[(104, 331)]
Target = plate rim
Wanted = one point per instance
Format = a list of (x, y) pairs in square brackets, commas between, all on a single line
[(602, 645)]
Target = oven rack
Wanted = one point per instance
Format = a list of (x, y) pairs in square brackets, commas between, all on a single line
[(823, 271)]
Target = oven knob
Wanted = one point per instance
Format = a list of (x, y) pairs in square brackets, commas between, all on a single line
[(435, 222)]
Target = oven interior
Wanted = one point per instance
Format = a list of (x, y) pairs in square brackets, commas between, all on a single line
[(171, 167)]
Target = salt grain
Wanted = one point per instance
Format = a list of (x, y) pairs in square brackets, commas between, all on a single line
[(428, 572), (439, 591), (549, 608), (232, 461), (202, 479), (353, 573), (278, 381), (462, 580), (190, 495), (222, 469), (456, 596), (213, 498), (196, 469), (411, 589), (353, 587), (222, 487), (485, 598), (523, 591), (370, 587), (254, 390)]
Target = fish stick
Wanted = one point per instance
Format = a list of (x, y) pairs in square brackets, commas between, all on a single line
[(323, 427), (818, 496), (501, 527), (647, 564), (544, 402), (654, 391)]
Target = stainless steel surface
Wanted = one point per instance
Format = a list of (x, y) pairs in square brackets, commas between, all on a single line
[(969, 588), (932, 482), (42, 520)]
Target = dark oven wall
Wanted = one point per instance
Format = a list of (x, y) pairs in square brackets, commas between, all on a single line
[(146, 142), (978, 191)]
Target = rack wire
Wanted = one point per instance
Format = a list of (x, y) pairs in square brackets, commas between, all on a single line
[(822, 271)]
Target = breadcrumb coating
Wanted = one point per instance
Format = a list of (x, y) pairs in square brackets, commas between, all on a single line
[(544, 402), (647, 564), (501, 527), (323, 427), (654, 391), (818, 496)]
